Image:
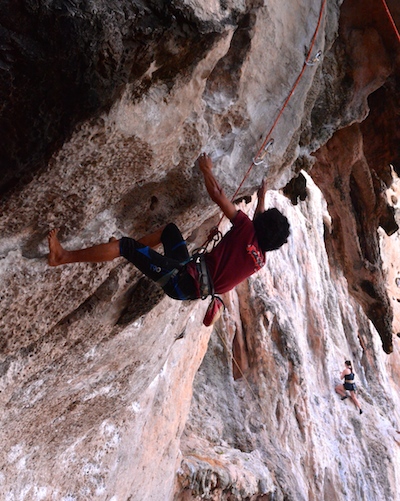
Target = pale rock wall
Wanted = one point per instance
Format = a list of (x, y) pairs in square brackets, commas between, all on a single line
[(283, 419), (108, 389)]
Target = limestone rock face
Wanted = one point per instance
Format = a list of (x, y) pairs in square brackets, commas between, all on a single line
[(354, 168), (110, 390)]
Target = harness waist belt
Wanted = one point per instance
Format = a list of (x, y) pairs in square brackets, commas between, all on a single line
[(205, 283)]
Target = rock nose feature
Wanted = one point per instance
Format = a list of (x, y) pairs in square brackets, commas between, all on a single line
[(109, 389)]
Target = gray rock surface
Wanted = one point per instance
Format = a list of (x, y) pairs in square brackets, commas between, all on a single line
[(109, 390)]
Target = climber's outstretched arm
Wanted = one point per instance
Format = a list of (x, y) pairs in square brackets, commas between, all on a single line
[(214, 190), (262, 190)]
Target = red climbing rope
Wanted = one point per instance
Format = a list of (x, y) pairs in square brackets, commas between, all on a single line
[(262, 151), (391, 19), (305, 64)]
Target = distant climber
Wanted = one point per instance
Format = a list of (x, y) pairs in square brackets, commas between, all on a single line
[(239, 254), (349, 385)]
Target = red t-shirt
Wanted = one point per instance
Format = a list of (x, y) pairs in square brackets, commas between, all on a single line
[(237, 255)]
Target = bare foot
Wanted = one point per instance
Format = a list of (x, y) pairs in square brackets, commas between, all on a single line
[(56, 251)]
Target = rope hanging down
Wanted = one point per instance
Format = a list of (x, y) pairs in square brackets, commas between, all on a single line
[(391, 20), (268, 142)]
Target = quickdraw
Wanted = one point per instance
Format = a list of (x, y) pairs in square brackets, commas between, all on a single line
[(259, 158), (316, 59)]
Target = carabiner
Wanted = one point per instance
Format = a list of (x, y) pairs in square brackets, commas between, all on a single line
[(316, 59), (259, 159)]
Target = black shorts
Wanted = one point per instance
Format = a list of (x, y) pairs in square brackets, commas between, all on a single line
[(350, 386), (168, 270)]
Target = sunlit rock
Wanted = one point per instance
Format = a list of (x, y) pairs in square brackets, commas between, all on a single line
[(109, 390)]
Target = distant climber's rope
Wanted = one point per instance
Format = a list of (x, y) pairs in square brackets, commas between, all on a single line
[(239, 368), (391, 19)]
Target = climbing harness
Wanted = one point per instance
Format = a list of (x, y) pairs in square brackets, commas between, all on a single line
[(216, 306), (167, 277), (205, 282)]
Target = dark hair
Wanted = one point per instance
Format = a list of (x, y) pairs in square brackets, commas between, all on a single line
[(272, 229), (348, 363)]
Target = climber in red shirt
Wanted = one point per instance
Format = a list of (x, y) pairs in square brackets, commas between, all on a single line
[(239, 254)]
